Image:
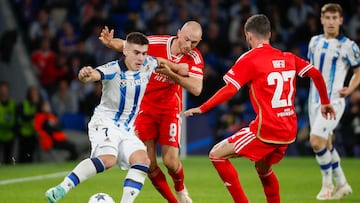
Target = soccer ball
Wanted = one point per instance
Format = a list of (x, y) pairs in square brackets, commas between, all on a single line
[(101, 198)]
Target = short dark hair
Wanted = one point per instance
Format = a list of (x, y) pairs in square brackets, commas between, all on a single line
[(333, 8), (137, 38), (258, 24)]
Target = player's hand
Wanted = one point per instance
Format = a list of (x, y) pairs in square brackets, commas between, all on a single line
[(183, 69), (328, 112), (163, 69), (85, 72), (106, 36), (344, 92), (192, 111)]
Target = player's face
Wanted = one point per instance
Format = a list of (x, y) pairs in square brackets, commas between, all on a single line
[(135, 56), (188, 40), (331, 22)]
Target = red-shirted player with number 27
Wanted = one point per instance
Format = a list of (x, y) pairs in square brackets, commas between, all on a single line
[(271, 77)]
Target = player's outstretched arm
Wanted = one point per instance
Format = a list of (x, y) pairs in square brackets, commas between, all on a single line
[(165, 66), (192, 111), (179, 74), (88, 74), (223, 94), (107, 38)]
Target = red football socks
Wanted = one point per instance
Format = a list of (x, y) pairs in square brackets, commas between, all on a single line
[(158, 179), (271, 186), (229, 176), (178, 178)]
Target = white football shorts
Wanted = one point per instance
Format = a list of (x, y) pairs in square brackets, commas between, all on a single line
[(107, 138), (321, 126)]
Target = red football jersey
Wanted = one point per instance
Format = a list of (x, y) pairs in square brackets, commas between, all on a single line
[(162, 93), (271, 77)]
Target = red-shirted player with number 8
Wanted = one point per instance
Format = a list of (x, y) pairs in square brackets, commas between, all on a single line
[(271, 77), (159, 118)]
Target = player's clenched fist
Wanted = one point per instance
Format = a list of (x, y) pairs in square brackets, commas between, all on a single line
[(85, 73)]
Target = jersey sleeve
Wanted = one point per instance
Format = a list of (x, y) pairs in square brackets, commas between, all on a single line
[(151, 63), (301, 65), (353, 55), (240, 73), (196, 65), (108, 71)]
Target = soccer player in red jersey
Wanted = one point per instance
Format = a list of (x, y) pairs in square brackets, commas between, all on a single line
[(159, 118), (271, 77)]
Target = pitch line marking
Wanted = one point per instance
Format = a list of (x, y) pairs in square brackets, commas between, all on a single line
[(31, 178)]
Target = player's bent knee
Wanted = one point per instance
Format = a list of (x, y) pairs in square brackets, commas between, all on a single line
[(317, 143), (108, 160), (171, 164), (139, 157)]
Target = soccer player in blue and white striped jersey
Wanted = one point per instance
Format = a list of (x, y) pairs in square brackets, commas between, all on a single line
[(334, 55), (111, 128)]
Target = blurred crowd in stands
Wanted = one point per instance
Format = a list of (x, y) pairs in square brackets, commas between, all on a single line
[(61, 36)]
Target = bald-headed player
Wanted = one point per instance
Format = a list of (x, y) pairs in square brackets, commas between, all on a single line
[(159, 116)]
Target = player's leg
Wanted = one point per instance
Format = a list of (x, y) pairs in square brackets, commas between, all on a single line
[(170, 156), (319, 135), (84, 170), (267, 175), (147, 127), (135, 178), (156, 175), (342, 187), (169, 140), (219, 155), (103, 156)]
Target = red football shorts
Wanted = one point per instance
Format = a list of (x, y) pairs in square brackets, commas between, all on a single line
[(164, 128), (247, 145)]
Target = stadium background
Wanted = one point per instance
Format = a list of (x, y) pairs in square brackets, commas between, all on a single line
[(72, 28)]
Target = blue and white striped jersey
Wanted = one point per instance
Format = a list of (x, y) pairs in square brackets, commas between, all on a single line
[(333, 57), (123, 91)]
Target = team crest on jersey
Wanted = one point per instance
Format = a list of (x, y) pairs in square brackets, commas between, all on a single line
[(357, 55), (133, 82), (123, 82)]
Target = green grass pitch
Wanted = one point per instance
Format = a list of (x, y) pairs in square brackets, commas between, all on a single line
[(299, 182)]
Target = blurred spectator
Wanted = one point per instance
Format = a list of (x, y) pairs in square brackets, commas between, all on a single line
[(304, 32), (28, 138), (44, 62), (63, 100), (7, 124), (149, 9), (85, 57), (7, 43), (68, 39), (298, 12), (277, 41), (51, 134), (216, 41), (91, 100), (354, 22), (96, 48), (36, 26), (357, 37), (350, 125)]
